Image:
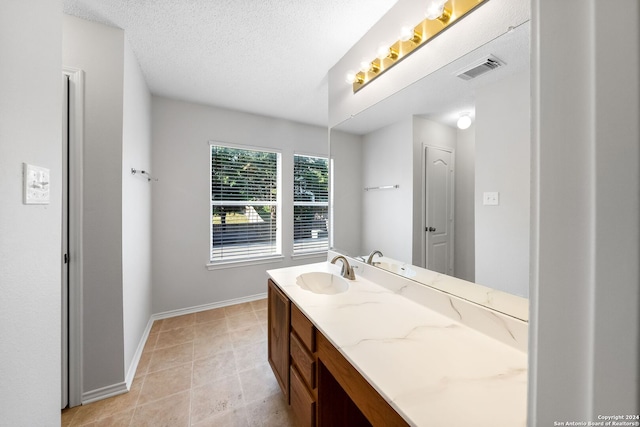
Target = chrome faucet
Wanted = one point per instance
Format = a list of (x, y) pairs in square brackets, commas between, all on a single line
[(347, 270), (370, 259)]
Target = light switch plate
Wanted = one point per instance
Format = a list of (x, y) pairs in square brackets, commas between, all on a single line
[(491, 198), (36, 185)]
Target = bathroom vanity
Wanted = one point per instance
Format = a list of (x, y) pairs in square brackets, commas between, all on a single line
[(383, 350)]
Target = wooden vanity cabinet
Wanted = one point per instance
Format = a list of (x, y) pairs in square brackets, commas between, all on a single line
[(303, 372), (278, 322), (322, 387)]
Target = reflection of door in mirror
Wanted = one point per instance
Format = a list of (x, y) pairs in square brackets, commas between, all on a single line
[(439, 164)]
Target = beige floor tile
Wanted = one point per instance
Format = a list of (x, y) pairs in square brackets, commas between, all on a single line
[(263, 316), (214, 368), (242, 320), (211, 346), (215, 398), (172, 411), (259, 305), (159, 385), (157, 324), (143, 365), (251, 355), (122, 419), (232, 310), (68, 414), (178, 322), (234, 418), (270, 412), (122, 402), (209, 315), (258, 383), (150, 344), (171, 356), (175, 336), (194, 369), (248, 335), (87, 414), (211, 329)]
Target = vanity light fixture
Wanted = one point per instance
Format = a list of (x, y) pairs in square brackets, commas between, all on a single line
[(440, 15), (464, 121)]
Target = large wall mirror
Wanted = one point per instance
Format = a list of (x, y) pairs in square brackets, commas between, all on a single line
[(435, 199)]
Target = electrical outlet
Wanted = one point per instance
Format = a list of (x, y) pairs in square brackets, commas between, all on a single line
[(491, 198)]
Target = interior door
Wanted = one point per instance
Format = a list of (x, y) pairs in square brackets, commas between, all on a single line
[(439, 173), (64, 346)]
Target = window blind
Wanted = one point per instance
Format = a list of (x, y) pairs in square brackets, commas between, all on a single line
[(310, 204), (244, 203)]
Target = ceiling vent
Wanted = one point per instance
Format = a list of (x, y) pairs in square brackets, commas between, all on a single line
[(480, 67)]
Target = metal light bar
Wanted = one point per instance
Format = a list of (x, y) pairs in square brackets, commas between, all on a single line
[(425, 31)]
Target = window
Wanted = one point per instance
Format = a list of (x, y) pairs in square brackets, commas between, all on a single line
[(245, 204), (310, 204)]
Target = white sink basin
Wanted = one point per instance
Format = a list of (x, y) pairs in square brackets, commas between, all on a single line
[(396, 268), (322, 283)]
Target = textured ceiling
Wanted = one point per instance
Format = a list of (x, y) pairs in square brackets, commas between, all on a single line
[(268, 57)]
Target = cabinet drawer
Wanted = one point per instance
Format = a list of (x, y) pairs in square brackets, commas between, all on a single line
[(302, 402), (304, 361), (304, 328)]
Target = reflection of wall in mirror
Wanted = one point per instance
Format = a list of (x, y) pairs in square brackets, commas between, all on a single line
[(346, 198), (503, 158)]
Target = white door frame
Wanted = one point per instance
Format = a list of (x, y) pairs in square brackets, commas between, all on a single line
[(76, 143), (425, 199)]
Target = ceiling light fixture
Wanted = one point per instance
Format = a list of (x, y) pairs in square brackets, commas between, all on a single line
[(440, 15), (464, 121)]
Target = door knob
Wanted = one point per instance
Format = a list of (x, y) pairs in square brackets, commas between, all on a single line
[(431, 229)]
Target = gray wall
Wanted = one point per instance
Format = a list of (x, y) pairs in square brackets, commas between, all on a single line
[(464, 258), (117, 205), (585, 323), (30, 129), (388, 214), (503, 144), (346, 153), (181, 202), (99, 51), (136, 208)]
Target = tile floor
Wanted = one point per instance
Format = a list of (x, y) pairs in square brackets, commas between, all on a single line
[(203, 369)]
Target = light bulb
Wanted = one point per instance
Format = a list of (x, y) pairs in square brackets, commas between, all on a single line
[(351, 77), (383, 51), (406, 33), (464, 122), (435, 9), (365, 66)]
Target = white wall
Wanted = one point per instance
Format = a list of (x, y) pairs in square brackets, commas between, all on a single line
[(99, 51), (464, 257), (30, 129), (347, 155), (180, 199), (503, 145), (136, 208), (585, 323), (388, 214)]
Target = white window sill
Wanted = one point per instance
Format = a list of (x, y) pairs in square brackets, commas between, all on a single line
[(219, 265)]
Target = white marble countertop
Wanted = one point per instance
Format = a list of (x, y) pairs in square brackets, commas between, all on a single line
[(432, 369)]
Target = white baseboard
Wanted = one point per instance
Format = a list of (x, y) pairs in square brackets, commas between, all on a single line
[(131, 373), (205, 307), (104, 392)]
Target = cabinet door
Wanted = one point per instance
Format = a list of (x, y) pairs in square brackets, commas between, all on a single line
[(278, 338)]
